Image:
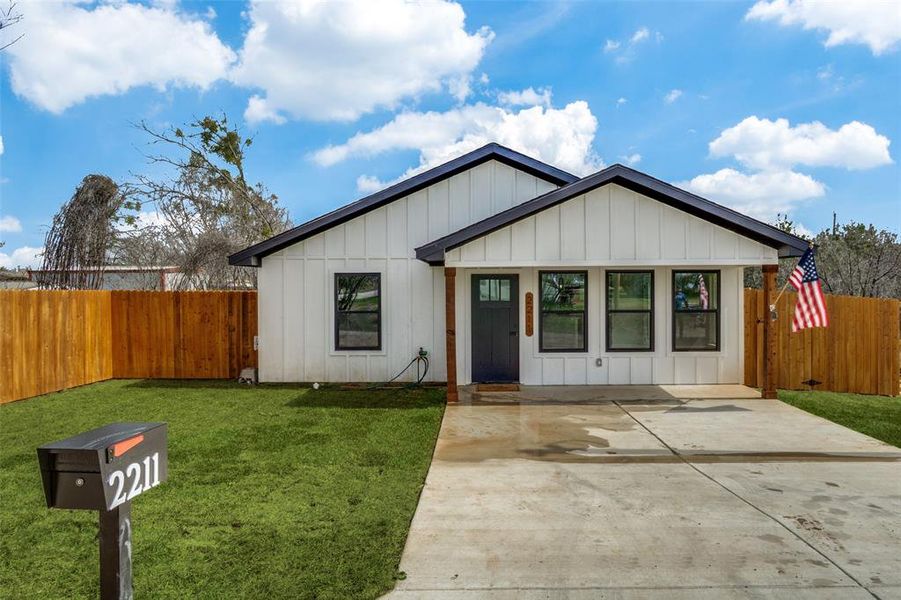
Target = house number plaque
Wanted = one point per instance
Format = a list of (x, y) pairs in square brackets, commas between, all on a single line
[(530, 310)]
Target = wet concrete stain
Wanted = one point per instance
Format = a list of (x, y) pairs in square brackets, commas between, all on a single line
[(773, 539)]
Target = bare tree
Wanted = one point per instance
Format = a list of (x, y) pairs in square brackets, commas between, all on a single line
[(205, 210), (8, 17), (77, 245)]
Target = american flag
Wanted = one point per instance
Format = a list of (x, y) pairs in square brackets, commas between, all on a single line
[(810, 310), (702, 291)]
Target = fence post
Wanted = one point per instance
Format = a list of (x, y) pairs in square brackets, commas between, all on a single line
[(769, 331)]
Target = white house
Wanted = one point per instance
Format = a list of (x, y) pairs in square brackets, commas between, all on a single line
[(506, 269)]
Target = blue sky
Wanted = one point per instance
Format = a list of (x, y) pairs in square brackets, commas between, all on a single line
[(782, 106)]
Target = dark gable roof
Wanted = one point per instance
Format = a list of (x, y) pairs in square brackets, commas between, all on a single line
[(786, 243), (250, 257)]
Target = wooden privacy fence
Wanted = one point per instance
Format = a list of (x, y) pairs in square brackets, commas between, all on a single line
[(53, 340), (859, 352)]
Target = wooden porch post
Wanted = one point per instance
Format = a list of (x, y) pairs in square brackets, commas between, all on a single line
[(450, 337), (769, 332)]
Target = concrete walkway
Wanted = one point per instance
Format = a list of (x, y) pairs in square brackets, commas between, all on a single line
[(531, 496)]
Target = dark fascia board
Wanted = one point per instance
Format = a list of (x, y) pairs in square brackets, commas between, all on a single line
[(787, 244), (250, 257)]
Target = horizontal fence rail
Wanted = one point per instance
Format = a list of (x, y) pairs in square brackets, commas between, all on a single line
[(52, 340), (859, 352)]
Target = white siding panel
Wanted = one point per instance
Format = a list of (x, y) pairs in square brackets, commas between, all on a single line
[(673, 225), (398, 247), (460, 215), (377, 233), (474, 251), (547, 235), (526, 187), (620, 370), (271, 300), (334, 241), (439, 215), (597, 217), (575, 371), (417, 219), (523, 234), (572, 226), (648, 228), (317, 298), (355, 238), (642, 370), (622, 223), (699, 239), (293, 335), (504, 187), (552, 371), (481, 178), (315, 246), (499, 245)]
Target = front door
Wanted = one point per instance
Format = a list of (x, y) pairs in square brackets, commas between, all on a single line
[(495, 328)]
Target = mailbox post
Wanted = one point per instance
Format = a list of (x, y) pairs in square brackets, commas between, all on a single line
[(105, 469)]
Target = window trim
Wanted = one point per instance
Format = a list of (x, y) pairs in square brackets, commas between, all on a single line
[(716, 310), (336, 313), (584, 311), (608, 311)]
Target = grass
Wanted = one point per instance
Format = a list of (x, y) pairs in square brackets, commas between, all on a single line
[(273, 491), (876, 416)]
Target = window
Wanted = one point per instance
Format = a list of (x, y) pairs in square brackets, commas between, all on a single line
[(494, 290), (562, 320), (358, 311), (696, 315), (630, 311)]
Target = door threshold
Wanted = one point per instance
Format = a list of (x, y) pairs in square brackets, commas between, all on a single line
[(497, 387)]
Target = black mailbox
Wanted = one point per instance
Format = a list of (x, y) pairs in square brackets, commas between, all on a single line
[(105, 469)]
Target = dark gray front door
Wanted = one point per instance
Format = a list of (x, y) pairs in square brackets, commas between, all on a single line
[(495, 321)]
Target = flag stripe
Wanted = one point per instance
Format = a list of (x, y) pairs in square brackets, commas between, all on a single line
[(810, 308)]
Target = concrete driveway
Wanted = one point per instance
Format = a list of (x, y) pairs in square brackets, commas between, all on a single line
[(645, 493)]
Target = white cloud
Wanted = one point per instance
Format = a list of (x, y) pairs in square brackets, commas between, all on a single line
[(876, 24), (760, 195), (339, 60), (640, 35), (625, 49), (561, 137), (76, 50), (764, 144), (632, 159), (672, 96), (10, 224), (258, 111), (26, 256), (526, 97), (1, 145)]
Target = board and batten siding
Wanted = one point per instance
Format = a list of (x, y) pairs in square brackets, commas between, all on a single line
[(296, 284), (660, 366), (611, 226)]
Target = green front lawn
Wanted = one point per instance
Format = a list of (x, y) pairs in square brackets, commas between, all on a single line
[(876, 416), (273, 491)]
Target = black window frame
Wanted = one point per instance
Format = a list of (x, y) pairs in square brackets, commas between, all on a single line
[(337, 313), (716, 310), (584, 312), (608, 311)]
